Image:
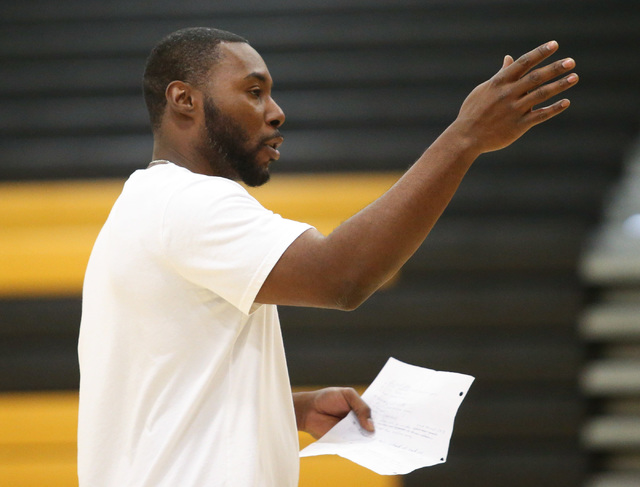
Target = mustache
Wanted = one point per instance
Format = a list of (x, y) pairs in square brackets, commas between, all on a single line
[(274, 135)]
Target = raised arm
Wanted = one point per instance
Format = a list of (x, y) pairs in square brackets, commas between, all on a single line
[(344, 268)]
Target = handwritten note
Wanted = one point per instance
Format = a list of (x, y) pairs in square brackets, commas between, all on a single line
[(413, 410)]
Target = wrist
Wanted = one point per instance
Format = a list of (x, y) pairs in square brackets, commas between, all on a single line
[(459, 136), (301, 406)]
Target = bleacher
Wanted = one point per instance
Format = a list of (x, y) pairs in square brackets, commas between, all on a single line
[(366, 85), (610, 325)]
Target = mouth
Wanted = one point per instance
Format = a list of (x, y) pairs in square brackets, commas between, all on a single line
[(272, 147)]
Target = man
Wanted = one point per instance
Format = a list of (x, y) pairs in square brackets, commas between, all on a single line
[(183, 377)]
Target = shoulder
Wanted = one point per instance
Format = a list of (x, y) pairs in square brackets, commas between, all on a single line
[(192, 200), (177, 184)]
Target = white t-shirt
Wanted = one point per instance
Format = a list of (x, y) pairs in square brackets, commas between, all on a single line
[(183, 378)]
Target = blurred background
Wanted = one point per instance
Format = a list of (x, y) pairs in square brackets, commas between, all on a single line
[(530, 282)]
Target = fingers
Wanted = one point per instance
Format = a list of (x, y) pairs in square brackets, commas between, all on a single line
[(543, 114), (542, 75), (542, 94), (359, 407), (547, 91), (536, 86), (527, 61), (508, 61)]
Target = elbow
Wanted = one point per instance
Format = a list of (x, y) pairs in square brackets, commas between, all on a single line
[(344, 304), (351, 296)]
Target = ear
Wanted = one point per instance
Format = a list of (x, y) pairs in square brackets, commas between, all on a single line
[(182, 98)]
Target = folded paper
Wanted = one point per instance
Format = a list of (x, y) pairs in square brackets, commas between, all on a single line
[(413, 411)]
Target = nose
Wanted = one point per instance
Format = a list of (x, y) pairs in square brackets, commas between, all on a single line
[(275, 115)]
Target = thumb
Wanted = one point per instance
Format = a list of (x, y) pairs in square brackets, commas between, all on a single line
[(360, 408), (508, 60)]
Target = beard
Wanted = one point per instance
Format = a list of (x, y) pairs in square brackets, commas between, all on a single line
[(226, 148)]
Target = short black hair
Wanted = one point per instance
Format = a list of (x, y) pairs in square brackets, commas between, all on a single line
[(185, 55)]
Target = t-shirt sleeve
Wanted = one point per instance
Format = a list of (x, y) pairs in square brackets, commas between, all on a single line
[(219, 237)]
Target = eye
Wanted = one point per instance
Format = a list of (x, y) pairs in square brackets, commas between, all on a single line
[(257, 92)]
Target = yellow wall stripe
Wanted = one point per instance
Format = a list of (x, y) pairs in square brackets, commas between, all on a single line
[(47, 229), (38, 447)]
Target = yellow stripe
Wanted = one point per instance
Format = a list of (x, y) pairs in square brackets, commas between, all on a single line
[(56, 203), (47, 229), (38, 447)]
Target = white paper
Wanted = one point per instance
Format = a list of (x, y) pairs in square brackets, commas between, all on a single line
[(413, 410)]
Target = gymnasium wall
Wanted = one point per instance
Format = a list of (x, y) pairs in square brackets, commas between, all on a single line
[(366, 86)]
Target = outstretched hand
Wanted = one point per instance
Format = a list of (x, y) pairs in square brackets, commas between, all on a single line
[(500, 110), (318, 411)]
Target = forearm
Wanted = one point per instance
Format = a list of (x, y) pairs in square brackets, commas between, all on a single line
[(342, 269), (371, 246)]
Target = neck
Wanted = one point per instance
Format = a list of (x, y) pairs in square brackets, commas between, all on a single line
[(179, 148), (184, 157)]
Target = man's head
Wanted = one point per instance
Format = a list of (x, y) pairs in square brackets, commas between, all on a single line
[(209, 99), (186, 55)]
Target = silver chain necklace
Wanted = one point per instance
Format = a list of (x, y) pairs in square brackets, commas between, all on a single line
[(157, 162)]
